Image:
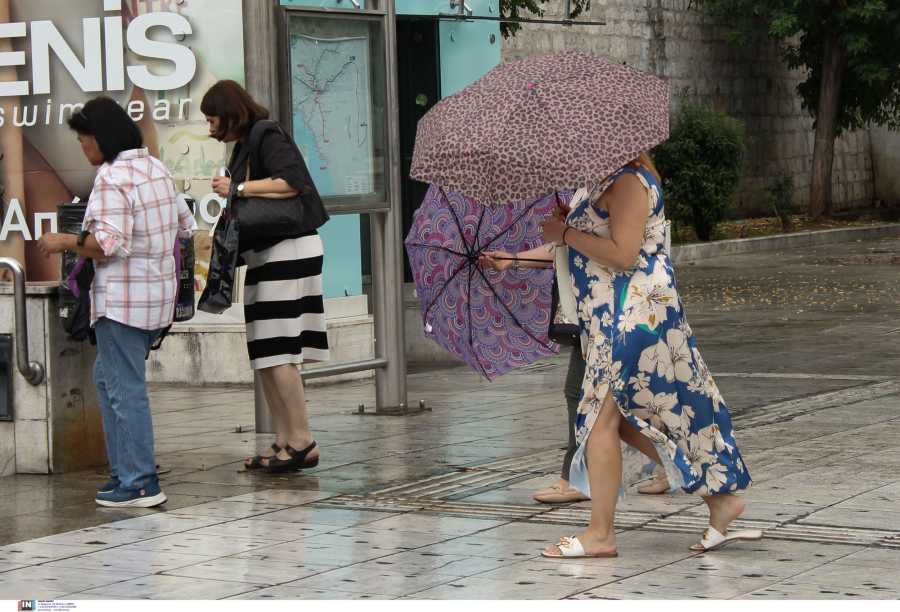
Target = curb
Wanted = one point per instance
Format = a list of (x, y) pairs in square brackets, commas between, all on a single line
[(742, 246)]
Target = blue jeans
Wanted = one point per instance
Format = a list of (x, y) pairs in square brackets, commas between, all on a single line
[(121, 378)]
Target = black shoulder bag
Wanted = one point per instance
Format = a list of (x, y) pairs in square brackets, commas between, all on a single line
[(561, 330), (267, 217)]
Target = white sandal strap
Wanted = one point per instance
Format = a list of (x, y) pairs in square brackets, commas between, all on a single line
[(571, 547), (711, 537)]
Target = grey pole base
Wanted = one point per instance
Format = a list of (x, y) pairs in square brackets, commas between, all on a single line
[(401, 410)]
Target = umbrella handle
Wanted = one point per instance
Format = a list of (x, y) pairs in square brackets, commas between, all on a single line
[(520, 259)]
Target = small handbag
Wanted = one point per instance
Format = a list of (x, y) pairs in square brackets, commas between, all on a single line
[(563, 327)]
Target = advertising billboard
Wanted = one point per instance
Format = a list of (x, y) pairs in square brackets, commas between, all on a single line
[(156, 58)]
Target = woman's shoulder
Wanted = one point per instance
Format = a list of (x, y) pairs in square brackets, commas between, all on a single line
[(264, 132)]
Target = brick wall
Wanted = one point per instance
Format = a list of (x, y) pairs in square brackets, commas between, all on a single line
[(676, 41)]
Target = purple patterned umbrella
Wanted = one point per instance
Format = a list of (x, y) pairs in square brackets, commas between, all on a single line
[(493, 321), (557, 122)]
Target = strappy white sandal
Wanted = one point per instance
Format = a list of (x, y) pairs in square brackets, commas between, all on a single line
[(571, 548), (712, 539)]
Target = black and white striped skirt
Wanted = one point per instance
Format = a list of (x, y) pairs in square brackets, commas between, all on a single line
[(283, 303)]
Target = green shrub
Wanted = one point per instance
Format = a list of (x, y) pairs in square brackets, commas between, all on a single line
[(777, 196), (700, 164)]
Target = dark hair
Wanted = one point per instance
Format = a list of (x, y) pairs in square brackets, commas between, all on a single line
[(112, 127), (236, 110)]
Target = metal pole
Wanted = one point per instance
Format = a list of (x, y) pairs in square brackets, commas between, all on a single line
[(387, 281), (32, 371), (261, 81), (260, 45), (264, 423)]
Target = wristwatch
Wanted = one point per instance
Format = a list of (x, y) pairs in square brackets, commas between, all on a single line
[(240, 190), (82, 237)]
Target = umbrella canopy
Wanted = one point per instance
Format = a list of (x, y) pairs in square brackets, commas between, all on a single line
[(557, 122), (493, 321)]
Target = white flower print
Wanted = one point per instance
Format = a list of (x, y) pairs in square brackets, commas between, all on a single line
[(602, 284), (680, 358), (654, 196), (716, 476), (606, 320), (657, 409), (649, 297), (626, 323), (687, 414), (639, 382), (579, 262), (650, 357), (642, 262), (710, 389)]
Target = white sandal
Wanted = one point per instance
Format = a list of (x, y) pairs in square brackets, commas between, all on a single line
[(571, 548), (712, 539)]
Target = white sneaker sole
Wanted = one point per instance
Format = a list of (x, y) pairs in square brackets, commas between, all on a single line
[(140, 502)]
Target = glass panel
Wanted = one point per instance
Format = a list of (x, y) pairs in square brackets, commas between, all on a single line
[(338, 100)]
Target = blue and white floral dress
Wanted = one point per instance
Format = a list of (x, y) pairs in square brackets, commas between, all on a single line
[(638, 345)]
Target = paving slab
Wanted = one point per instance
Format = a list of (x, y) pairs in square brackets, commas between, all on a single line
[(439, 505)]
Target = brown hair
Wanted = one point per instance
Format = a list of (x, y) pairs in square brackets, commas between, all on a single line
[(644, 160), (236, 110)]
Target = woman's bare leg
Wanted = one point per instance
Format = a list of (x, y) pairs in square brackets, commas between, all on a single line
[(604, 460), (288, 387), (629, 434), (276, 408)]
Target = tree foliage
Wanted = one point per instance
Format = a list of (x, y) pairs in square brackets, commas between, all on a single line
[(511, 9), (868, 30), (700, 164)]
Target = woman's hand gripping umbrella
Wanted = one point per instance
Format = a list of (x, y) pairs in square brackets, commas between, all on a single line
[(493, 321)]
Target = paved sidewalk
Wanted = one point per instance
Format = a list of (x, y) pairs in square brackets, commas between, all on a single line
[(438, 506)]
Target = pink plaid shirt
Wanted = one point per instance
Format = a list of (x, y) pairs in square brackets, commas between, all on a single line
[(135, 212)]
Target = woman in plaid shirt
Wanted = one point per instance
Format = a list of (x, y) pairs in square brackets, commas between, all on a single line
[(134, 216)]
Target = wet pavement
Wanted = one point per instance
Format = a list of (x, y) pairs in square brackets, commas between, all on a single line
[(438, 505)]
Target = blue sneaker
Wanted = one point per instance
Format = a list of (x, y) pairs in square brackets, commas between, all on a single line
[(109, 486), (149, 496)]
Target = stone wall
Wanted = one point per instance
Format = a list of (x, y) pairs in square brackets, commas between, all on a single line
[(886, 159), (676, 41)]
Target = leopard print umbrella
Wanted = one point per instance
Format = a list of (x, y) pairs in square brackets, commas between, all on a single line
[(536, 126)]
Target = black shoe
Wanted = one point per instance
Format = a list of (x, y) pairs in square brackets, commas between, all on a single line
[(297, 461), (256, 462)]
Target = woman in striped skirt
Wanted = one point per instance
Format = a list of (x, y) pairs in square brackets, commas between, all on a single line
[(283, 289)]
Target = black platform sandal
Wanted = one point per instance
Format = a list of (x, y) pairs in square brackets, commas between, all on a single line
[(256, 462), (297, 461)]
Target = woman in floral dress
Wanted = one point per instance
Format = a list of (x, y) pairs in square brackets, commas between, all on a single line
[(645, 382)]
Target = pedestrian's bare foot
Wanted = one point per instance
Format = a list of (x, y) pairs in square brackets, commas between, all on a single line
[(268, 453), (297, 445), (723, 509), (592, 545)]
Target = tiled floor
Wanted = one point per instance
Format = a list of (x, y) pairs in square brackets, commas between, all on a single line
[(808, 360)]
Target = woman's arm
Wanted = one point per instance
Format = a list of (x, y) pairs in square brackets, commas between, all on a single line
[(275, 189), (628, 206), (498, 260), (57, 243)]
